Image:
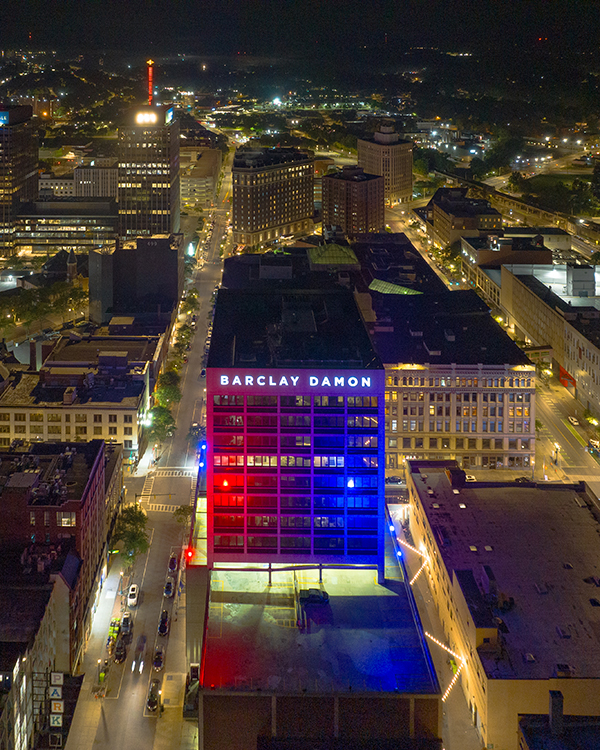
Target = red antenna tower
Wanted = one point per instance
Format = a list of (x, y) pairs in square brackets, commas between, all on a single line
[(150, 63)]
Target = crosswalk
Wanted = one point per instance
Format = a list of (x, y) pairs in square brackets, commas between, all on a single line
[(147, 488), (160, 473), (160, 508)]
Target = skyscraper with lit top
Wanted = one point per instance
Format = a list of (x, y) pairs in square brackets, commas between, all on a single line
[(148, 188)]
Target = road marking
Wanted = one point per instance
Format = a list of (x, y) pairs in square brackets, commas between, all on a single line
[(574, 432), (156, 507), (176, 473), (147, 488)]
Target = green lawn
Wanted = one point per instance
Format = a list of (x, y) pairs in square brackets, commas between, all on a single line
[(543, 182)]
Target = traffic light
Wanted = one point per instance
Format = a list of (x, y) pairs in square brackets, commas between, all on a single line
[(189, 554)]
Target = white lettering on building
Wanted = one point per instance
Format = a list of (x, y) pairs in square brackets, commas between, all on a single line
[(314, 381)]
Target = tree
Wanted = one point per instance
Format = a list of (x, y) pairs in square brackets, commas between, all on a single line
[(538, 425), (162, 423), (131, 530), (595, 259), (516, 182), (167, 389), (190, 303), (183, 514)]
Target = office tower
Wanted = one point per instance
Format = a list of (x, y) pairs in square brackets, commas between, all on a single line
[(353, 201), (18, 169), (96, 182), (148, 189), (295, 429), (386, 155), (272, 194)]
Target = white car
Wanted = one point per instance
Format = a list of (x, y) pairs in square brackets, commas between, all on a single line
[(132, 596), (573, 421), (470, 478)]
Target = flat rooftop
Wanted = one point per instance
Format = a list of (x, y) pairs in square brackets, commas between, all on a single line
[(25, 389), (365, 639), (260, 158), (549, 283), (447, 328), (542, 544), (87, 350), (295, 328)]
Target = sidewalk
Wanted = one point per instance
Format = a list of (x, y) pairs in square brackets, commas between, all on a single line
[(87, 712), (458, 732), (172, 732)]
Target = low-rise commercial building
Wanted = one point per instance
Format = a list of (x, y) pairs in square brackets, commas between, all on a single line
[(482, 255), (451, 215), (267, 680), (456, 385), (519, 617), (48, 226), (96, 388), (557, 307), (54, 500)]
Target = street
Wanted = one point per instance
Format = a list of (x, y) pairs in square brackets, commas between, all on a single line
[(121, 718)]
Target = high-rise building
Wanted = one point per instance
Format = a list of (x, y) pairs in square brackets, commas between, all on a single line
[(353, 201), (96, 182), (18, 169), (148, 189), (272, 194), (387, 155), (295, 430)]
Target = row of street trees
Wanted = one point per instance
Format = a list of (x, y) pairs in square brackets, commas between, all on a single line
[(168, 390)]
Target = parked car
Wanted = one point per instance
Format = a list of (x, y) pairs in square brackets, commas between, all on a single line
[(120, 651), (163, 625), (173, 562), (573, 421), (169, 588), (126, 624), (394, 480), (159, 659), (313, 596), (132, 596), (153, 695), (203, 372), (470, 478), (595, 443)]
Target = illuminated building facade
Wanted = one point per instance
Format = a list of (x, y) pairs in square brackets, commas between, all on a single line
[(294, 431), (273, 194), (385, 154), (148, 188), (18, 170), (457, 386)]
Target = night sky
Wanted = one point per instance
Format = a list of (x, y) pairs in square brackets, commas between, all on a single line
[(274, 27)]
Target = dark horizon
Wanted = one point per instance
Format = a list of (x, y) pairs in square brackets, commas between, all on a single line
[(266, 27)]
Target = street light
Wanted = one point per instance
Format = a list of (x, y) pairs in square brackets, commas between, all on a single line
[(99, 663)]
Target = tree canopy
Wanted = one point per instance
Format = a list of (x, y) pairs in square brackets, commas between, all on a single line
[(130, 529)]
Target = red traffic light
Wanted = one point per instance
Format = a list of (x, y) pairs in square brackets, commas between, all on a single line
[(189, 553)]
